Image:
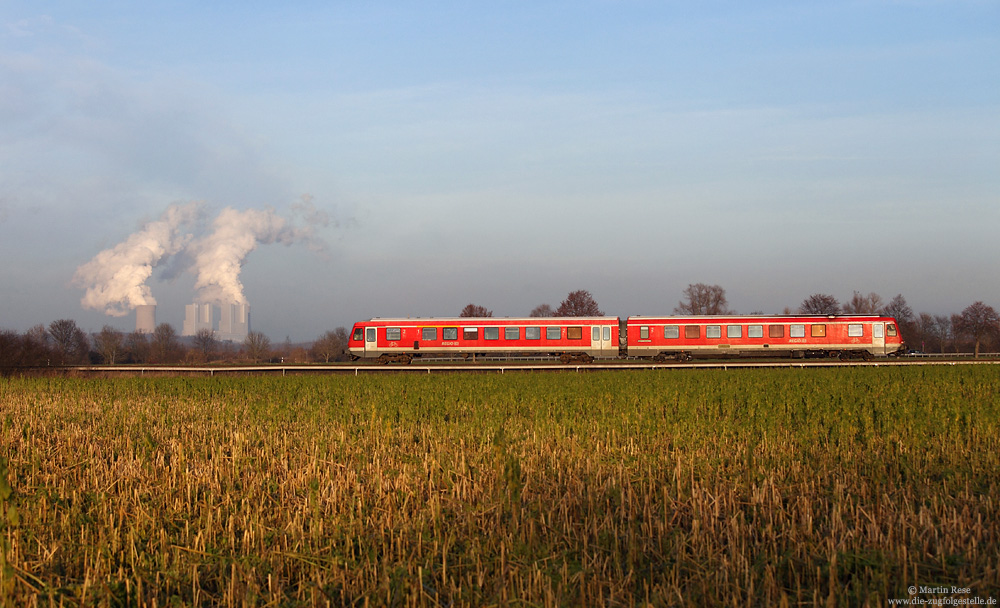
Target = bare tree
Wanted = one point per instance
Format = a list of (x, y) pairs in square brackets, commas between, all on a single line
[(930, 333), (474, 310), (820, 304), (331, 346), (257, 346), (946, 330), (36, 347), (164, 346), (978, 322), (579, 303), (10, 348), (70, 342), (206, 342), (702, 299), (542, 310), (898, 309), (137, 347), (861, 304), (108, 344)]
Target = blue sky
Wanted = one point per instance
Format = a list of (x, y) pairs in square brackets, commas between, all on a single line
[(507, 154)]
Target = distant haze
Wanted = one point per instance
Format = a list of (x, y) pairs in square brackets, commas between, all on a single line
[(413, 158)]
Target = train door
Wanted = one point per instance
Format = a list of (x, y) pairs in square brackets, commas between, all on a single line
[(601, 341), (878, 338), (371, 346)]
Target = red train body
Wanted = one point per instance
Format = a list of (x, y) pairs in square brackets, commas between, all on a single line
[(569, 338), (660, 338), (682, 337)]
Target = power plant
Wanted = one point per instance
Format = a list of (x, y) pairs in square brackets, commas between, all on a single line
[(198, 317), (233, 320), (115, 279), (145, 318)]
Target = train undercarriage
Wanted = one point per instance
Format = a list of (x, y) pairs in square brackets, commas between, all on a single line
[(681, 356)]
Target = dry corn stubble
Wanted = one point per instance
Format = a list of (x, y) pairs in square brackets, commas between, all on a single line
[(803, 487)]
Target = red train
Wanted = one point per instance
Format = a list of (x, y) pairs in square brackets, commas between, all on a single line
[(661, 338)]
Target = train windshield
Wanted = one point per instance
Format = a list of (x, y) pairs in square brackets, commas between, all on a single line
[(358, 333), (891, 328)]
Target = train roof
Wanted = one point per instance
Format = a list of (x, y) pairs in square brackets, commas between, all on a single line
[(764, 316), (524, 320)]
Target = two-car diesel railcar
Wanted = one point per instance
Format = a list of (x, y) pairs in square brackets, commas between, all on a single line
[(568, 338), (660, 338), (684, 337)]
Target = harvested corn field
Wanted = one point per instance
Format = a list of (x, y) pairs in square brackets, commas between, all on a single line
[(678, 488)]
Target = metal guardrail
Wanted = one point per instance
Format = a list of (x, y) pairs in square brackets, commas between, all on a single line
[(284, 370), (951, 355)]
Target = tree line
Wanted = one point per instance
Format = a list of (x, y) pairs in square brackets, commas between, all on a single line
[(976, 329), (62, 342)]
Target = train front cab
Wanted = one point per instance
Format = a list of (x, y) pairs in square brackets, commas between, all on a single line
[(886, 339), (361, 343)]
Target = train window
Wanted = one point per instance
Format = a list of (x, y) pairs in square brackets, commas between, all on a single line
[(511, 333), (855, 330), (734, 331), (449, 333), (713, 331), (393, 333), (358, 333), (797, 331), (607, 333), (671, 332), (595, 334), (818, 330), (644, 332), (755, 331), (428, 334), (470, 333), (891, 329), (692, 332), (553, 333), (532, 333), (574, 333), (878, 330), (491, 333), (370, 334), (775, 331)]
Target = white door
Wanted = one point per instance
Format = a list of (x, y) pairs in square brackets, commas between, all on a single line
[(878, 338), (600, 342), (371, 347)]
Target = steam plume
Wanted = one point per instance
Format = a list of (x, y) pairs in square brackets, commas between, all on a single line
[(115, 280), (219, 256)]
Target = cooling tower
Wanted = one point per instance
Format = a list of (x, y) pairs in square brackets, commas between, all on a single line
[(145, 318)]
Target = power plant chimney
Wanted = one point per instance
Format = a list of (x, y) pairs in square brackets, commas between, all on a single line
[(145, 318)]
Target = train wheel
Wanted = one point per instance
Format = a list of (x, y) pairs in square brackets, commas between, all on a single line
[(565, 358)]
